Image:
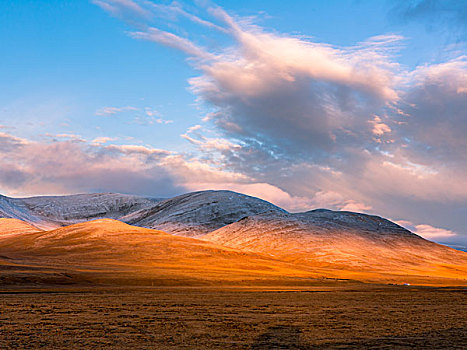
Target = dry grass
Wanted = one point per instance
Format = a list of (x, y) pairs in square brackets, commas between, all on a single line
[(210, 318), (110, 252)]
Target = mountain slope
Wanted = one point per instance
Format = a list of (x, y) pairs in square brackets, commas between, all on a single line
[(109, 251), (13, 208), (315, 243), (191, 214), (15, 226), (360, 246), (197, 213), (55, 211)]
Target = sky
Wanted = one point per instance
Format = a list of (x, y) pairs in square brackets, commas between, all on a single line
[(347, 105)]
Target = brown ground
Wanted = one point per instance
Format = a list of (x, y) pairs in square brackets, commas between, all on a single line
[(352, 316)]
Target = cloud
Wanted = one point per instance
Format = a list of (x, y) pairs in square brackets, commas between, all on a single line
[(149, 120), (308, 124), (379, 128), (175, 10), (109, 111), (151, 112), (9, 143), (65, 166), (123, 8), (172, 40), (294, 95), (435, 103), (146, 115), (61, 166), (102, 139), (428, 231), (71, 137), (335, 200)]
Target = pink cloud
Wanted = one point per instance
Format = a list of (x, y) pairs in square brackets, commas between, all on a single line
[(428, 231)]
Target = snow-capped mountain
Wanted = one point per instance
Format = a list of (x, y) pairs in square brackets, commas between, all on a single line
[(198, 213), (330, 244), (55, 211), (190, 214)]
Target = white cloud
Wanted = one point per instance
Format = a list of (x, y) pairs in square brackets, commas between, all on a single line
[(122, 7), (102, 140), (319, 125), (428, 231), (109, 111)]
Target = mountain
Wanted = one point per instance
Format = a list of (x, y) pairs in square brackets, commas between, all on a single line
[(191, 214), (231, 226), (15, 226), (13, 208), (197, 213), (360, 246), (55, 211), (109, 251)]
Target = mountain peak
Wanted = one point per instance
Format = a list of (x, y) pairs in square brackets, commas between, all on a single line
[(198, 213)]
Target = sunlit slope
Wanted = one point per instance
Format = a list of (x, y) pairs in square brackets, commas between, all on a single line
[(274, 248), (15, 226), (353, 245), (109, 251)]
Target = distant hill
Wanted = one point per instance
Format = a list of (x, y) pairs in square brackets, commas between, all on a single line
[(197, 213), (55, 211)]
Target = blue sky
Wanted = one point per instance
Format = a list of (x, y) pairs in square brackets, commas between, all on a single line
[(354, 105), (64, 60)]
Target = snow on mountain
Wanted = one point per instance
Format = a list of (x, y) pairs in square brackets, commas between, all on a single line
[(190, 214), (13, 208), (54, 211), (198, 213), (341, 240), (332, 220)]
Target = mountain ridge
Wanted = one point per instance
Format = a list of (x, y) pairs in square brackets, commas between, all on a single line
[(318, 238), (191, 214), (197, 213), (54, 211)]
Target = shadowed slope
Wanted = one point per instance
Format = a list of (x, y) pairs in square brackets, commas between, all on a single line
[(66, 210), (113, 252), (359, 246), (50, 212), (191, 214), (198, 213), (13, 208)]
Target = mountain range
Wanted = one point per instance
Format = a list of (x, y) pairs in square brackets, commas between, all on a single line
[(209, 237)]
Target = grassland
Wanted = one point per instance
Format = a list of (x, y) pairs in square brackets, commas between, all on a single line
[(328, 317)]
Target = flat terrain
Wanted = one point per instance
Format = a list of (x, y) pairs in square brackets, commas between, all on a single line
[(354, 317)]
